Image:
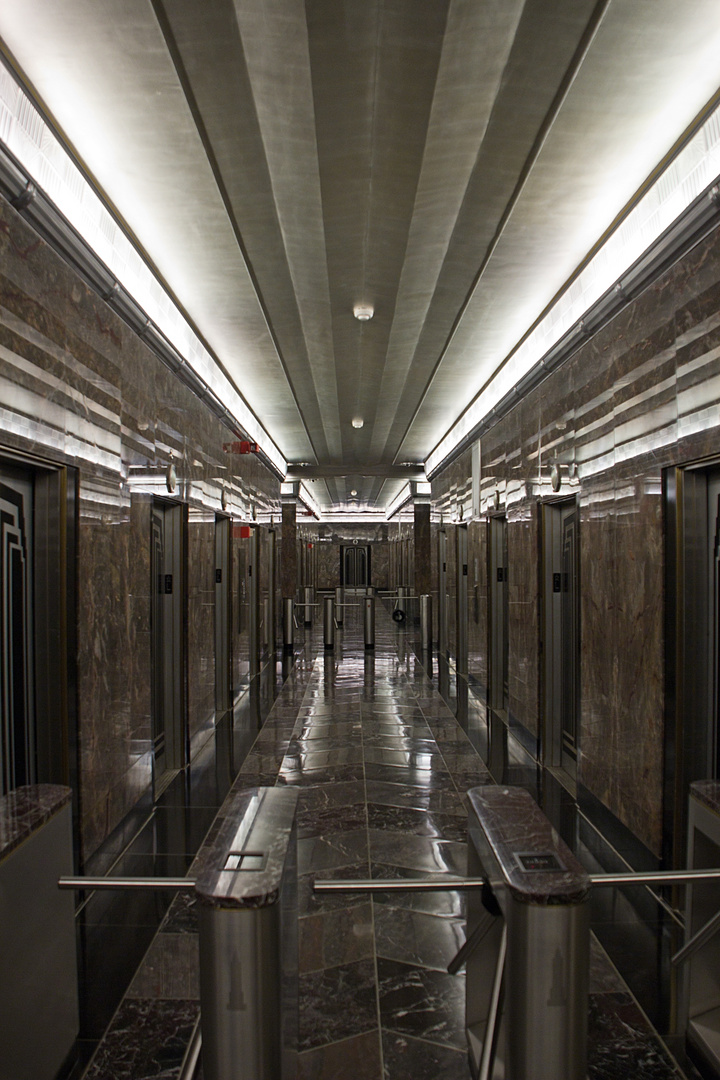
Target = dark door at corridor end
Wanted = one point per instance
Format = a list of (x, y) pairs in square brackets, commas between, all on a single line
[(355, 566)]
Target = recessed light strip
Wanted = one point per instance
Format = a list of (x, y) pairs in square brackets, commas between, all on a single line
[(32, 143), (691, 172)]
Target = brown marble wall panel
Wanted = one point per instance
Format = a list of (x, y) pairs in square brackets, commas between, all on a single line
[(81, 389), (642, 394), (380, 566), (327, 566)]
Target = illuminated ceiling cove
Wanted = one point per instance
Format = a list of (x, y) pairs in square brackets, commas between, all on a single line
[(359, 213)]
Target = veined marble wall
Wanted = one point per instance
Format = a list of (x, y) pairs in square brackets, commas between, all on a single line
[(641, 395), (80, 389)]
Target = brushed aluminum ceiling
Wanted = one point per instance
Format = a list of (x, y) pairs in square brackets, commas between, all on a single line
[(450, 162)]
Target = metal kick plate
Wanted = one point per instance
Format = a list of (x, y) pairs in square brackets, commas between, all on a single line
[(245, 860), (535, 862)]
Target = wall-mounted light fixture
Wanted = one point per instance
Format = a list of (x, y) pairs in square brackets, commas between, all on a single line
[(555, 477), (357, 422), (171, 478), (363, 312)]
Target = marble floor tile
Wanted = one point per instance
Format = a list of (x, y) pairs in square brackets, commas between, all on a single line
[(358, 1058), (413, 937), (338, 849), (622, 1044), (418, 852), (428, 779), (405, 819), (314, 821), (336, 937), (326, 796), (323, 759), (182, 915), (406, 1058), (169, 969), (391, 793), (428, 1005), (311, 902), (332, 774), (337, 1003), (146, 1040), (448, 903)]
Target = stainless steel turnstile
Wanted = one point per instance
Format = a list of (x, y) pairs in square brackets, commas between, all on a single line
[(701, 972), (247, 888), (528, 943)]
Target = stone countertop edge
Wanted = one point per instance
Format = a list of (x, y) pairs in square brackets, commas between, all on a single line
[(707, 792), (513, 824), (235, 889), (25, 809)]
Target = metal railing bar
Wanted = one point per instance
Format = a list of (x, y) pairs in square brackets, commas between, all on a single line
[(192, 1054), (654, 877), (136, 883)]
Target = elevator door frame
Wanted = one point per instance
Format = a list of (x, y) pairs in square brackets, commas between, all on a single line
[(169, 683), (54, 623), (692, 646), (561, 637)]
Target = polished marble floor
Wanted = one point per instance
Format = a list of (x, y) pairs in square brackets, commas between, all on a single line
[(383, 767)]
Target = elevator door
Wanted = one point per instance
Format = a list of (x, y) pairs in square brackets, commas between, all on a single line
[(560, 544), (223, 670), (498, 592), (168, 711), (713, 576), (461, 611), (18, 749), (442, 594), (355, 567)]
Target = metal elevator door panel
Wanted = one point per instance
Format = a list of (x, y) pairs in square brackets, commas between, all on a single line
[(442, 594), (223, 669), (18, 746), (461, 611), (168, 711), (561, 636), (569, 635), (498, 592), (355, 567), (713, 503)]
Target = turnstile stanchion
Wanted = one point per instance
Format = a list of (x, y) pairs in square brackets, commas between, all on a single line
[(700, 978), (535, 907), (247, 892), (339, 605), (288, 608), (369, 622), (308, 603), (426, 623), (328, 622)]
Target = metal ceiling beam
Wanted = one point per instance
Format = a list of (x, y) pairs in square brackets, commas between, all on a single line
[(328, 472)]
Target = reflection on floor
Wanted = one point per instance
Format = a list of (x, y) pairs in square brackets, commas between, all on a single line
[(383, 767)]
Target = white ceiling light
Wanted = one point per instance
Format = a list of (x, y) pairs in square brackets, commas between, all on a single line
[(358, 422), (363, 312), (353, 491)]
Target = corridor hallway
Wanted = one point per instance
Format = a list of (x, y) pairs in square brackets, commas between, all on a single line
[(383, 767)]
